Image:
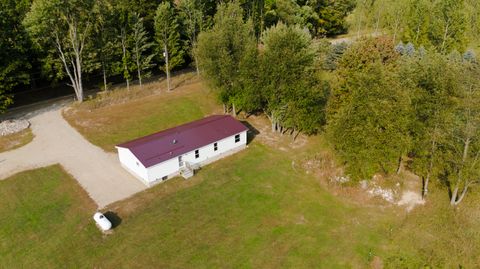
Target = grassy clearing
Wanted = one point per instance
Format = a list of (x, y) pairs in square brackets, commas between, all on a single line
[(258, 208), (110, 120), (16, 140)]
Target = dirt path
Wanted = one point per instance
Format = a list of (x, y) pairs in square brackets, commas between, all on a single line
[(98, 172)]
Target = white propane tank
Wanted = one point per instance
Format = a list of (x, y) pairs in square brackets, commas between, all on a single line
[(102, 221)]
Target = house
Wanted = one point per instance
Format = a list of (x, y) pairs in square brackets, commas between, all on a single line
[(180, 150)]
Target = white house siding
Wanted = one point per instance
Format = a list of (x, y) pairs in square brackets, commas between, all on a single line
[(132, 164), (207, 154), (167, 168)]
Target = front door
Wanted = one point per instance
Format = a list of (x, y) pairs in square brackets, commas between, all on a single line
[(180, 161)]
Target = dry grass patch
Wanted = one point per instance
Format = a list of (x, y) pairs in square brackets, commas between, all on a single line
[(13, 141), (124, 115)]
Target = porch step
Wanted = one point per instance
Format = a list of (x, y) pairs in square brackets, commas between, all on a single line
[(186, 173)]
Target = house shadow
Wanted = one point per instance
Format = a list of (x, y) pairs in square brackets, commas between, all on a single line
[(251, 133), (113, 218)]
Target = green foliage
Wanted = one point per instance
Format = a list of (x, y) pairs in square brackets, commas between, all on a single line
[(15, 48), (369, 108), (227, 57), (435, 85), (322, 18), (142, 47), (294, 97), (168, 36), (193, 19), (448, 28)]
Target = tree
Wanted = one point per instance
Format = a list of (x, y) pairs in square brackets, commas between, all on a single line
[(368, 110), (141, 48), (435, 82), (418, 20), (463, 139), (168, 38), (226, 56), (15, 48), (448, 29), (106, 39), (290, 88), (63, 29), (192, 15)]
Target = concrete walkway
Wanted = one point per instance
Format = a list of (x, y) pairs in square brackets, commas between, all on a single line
[(97, 171)]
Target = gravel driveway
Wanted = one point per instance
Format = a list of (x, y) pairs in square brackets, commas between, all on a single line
[(97, 171)]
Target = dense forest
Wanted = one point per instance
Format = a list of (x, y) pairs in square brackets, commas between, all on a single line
[(409, 89)]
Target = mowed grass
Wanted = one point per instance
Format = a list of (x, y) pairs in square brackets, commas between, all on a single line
[(44, 215), (13, 141), (256, 209), (109, 125), (250, 210)]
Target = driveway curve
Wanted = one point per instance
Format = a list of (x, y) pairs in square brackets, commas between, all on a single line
[(97, 171)]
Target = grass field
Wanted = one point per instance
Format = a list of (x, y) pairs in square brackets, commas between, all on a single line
[(16, 140), (251, 210), (255, 209)]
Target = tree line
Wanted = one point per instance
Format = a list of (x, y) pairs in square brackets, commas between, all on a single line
[(68, 40), (443, 25), (383, 105)]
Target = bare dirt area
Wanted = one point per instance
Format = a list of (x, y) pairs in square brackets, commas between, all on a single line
[(264, 134), (98, 172)]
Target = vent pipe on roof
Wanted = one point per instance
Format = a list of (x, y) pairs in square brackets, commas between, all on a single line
[(174, 141)]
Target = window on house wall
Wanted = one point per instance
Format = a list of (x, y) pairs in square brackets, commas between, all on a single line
[(164, 178), (215, 146), (237, 138), (197, 154)]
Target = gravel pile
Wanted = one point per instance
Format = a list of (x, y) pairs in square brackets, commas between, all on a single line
[(13, 126)]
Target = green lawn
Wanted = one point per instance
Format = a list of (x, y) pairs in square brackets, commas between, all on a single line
[(251, 210)]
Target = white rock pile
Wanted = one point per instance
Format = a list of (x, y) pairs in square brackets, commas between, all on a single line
[(9, 127)]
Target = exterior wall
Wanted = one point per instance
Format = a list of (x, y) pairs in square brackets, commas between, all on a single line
[(167, 168), (207, 154), (132, 164)]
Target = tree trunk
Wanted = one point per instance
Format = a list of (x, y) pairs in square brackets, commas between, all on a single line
[(124, 51), (167, 68), (234, 110), (400, 162), (224, 109), (445, 34), (453, 199), (104, 77), (139, 73)]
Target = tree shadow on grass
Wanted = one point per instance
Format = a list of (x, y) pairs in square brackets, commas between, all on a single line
[(113, 218)]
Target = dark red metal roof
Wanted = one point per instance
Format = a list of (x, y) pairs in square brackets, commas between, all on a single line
[(165, 145)]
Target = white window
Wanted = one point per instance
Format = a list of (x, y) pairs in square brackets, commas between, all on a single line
[(215, 146), (197, 154), (237, 138)]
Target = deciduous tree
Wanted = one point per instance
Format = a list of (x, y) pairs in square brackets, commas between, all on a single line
[(168, 37), (63, 30)]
